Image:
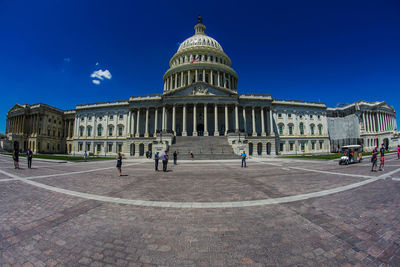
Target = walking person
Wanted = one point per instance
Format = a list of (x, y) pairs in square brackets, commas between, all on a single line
[(244, 156), (16, 158), (398, 151), (85, 156), (374, 159), (119, 163), (29, 156), (175, 157), (164, 161), (191, 155), (156, 158), (382, 151)]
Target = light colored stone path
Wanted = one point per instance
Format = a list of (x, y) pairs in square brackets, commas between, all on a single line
[(169, 204)]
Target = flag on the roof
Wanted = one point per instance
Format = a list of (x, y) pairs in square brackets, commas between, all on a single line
[(197, 59)]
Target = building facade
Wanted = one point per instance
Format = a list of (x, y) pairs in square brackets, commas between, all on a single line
[(376, 122), (200, 98)]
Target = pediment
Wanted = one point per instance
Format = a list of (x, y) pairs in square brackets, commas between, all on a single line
[(201, 90), (15, 108)]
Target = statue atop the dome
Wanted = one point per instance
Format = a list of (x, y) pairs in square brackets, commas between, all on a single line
[(199, 19)]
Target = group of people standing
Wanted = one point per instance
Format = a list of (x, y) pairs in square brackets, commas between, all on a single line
[(29, 156), (164, 158), (374, 158)]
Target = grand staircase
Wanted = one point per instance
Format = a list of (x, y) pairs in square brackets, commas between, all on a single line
[(203, 147)]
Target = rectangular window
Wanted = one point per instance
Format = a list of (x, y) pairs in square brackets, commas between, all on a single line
[(303, 147), (291, 146), (320, 144), (90, 118), (121, 117), (311, 116), (89, 131), (291, 130), (111, 117), (312, 130), (109, 147), (279, 115), (313, 145), (320, 130), (289, 115), (110, 131), (280, 129), (80, 146), (88, 147), (280, 147), (98, 148), (120, 131), (119, 147)]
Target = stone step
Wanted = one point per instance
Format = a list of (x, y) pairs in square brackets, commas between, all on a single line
[(203, 147)]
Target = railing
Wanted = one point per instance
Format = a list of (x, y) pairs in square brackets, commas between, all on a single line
[(298, 101)]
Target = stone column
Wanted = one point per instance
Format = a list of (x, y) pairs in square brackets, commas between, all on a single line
[(216, 132), (146, 131), (182, 79), (204, 75), (132, 125), (174, 119), (218, 79), (194, 120), (205, 120), (211, 78), (176, 80), (163, 119), (373, 122), (236, 118), (262, 123), (196, 79), (189, 80), (271, 123), (127, 124), (138, 124), (155, 121), (165, 85), (184, 130), (244, 119), (224, 81), (253, 119), (226, 120)]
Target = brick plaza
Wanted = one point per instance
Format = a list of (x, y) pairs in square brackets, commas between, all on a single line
[(276, 212)]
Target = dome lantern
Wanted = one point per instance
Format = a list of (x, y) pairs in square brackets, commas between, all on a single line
[(200, 27)]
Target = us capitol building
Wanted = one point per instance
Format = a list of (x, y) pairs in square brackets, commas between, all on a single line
[(199, 110)]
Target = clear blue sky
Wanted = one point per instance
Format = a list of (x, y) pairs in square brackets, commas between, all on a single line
[(329, 51)]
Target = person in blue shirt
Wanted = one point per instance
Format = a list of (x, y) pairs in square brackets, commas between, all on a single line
[(165, 160), (156, 158), (244, 156)]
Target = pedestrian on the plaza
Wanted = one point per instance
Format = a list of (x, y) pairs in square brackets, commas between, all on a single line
[(374, 159), (156, 158), (165, 161), (16, 158), (29, 156), (398, 151), (85, 156), (175, 157), (119, 163), (244, 156), (191, 155), (382, 151)]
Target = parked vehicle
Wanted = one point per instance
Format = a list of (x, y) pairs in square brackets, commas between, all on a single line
[(351, 154)]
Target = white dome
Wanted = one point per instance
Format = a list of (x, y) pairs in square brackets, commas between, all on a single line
[(200, 40)]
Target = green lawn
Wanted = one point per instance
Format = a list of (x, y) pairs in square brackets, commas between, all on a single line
[(62, 157)]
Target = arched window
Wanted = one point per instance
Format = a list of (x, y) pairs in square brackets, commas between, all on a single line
[(301, 127), (312, 129), (320, 129), (110, 131), (290, 129), (281, 126), (99, 130), (120, 130), (89, 131), (81, 129)]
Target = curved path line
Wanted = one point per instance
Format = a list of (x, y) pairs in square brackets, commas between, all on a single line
[(232, 204)]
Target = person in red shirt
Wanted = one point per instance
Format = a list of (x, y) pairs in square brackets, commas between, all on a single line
[(374, 159)]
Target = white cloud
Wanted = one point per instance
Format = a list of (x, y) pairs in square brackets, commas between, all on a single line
[(96, 81), (97, 63), (101, 75)]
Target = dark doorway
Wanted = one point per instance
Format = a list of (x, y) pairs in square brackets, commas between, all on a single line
[(200, 129)]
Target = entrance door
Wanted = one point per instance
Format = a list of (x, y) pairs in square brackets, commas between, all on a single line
[(200, 129)]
